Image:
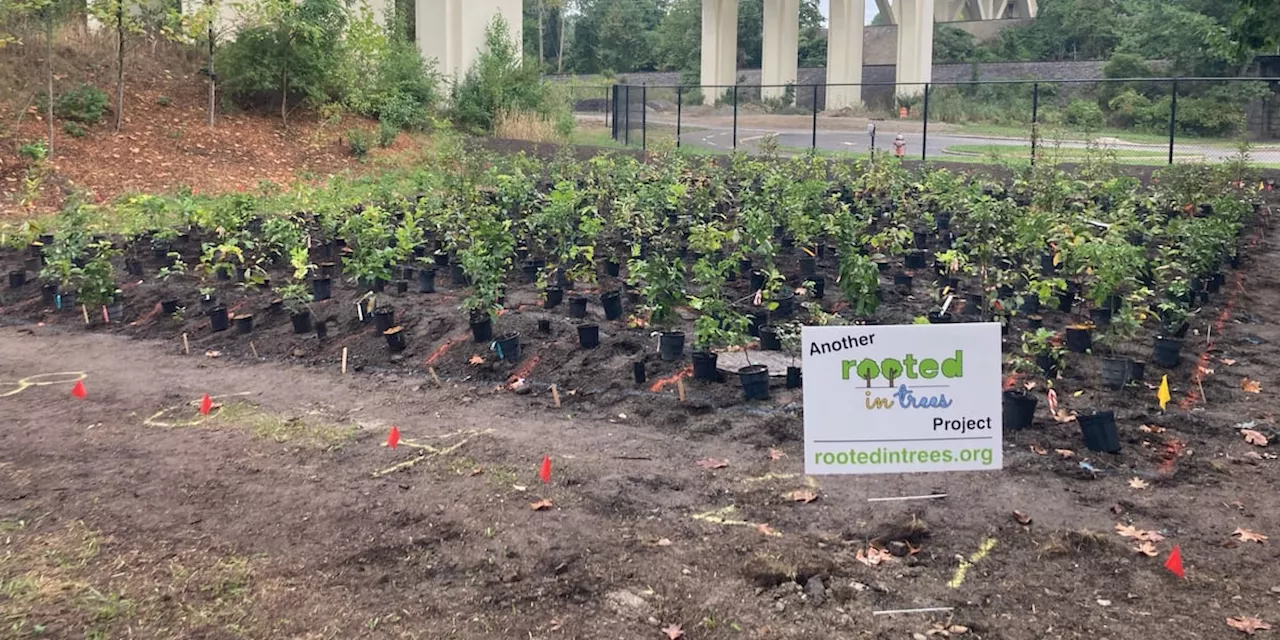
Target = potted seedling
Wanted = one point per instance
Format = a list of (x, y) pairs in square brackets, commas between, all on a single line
[(97, 285), (663, 291), (1046, 350)]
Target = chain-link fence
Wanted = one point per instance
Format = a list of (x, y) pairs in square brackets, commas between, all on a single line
[(1142, 121)]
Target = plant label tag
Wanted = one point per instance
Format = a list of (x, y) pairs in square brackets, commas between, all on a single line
[(902, 398)]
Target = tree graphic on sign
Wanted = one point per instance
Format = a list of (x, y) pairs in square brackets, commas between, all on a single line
[(868, 370), (891, 369)]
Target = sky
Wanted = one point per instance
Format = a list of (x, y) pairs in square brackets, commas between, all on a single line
[(826, 9)]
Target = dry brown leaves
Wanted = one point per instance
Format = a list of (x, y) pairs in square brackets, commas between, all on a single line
[(1137, 483), (673, 631), (1021, 518), (1247, 625), (871, 556), (1254, 437), (804, 496), (712, 463), (1040, 451), (776, 454), (1064, 453), (1251, 386), (1151, 428), (476, 360), (541, 505), (1147, 549), (1246, 535), (1130, 531)]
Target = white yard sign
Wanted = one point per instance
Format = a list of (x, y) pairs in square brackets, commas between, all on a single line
[(901, 399)]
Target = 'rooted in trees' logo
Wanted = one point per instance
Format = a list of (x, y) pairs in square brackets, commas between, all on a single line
[(894, 369)]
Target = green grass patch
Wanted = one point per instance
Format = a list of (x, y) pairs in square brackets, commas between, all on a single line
[(309, 431)]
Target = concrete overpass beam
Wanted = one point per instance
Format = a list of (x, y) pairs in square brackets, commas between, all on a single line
[(781, 59), (915, 46), (719, 45), (453, 31), (844, 53), (889, 9)]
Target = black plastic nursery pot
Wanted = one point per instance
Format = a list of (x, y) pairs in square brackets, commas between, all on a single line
[(612, 268), (384, 318), (328, 269), (755, 320), (973, 304), (794, 380), (671, 345), (757, 280), (32, 264), (322, 330), (508, 347), (1047, 268), (395, 339), (426, 280), (808, 266), (1079, 338), (66, 300), (755, 381), (1116, 372), (1066, 300), (940, 318), (1048, 365), (440, 258), (1099, 431), (612, 303), (482, 328), (322, 288), (1100, 317), (218, 319), (530, 270), (275, 306), (49, 294), (554, 295), (920, 240), (17, 279), (1030, 305), (902, 281), (704, 366), (1214, 285), (133, 267), (638, 372), (819, 290), (222, 274), (914, 260), (170, 307), (544, 325), (244, 323), (301, 322), (786, 304), (1035, 322), (1018, 409), (208, 302), (883, 265), (578, 307), (1137, 371), (769, 339), (457, 277), (563, 280), (588, 336), (744, 266), (402, 286), (1166, 352)]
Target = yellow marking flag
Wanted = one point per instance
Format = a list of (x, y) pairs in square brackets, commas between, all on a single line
[(1163, 394)]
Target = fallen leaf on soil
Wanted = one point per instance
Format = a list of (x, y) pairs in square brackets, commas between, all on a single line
[(1137, 483), (212, 354), (1021, 518), (1249, 536), (767, 530), (775, 454), (1064, 453), (1030, 385), (1147, 549), (541, 505), (1228, 361), (873, 556), (1247, 625), (1053, 402), (804, 495), (1063, 416), (1104, 603), (476, 360), (519, 487), (1251, 386), (1254, 437), (1078, 393), (712, 463), (1206, 371), (1130, 531), (477, 471), (673, 631), (664, 542), (1151, 428), (1037, 450)]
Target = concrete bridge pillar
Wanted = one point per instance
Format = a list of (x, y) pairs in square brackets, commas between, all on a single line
[(452, 31), (719, 46), (915, 46), (844, 53), (781, 56)]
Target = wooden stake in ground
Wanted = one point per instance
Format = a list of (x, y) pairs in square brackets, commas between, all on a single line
[(85, 311), (680, 387), (436, 378), (254, 350), (555, 395), (186, 346), (344, 361)]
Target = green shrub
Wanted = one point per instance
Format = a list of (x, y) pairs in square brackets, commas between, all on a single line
[(164, 101), (383, 75), (387, 133), (1083, 113), (74, 129), (85, 104), (359, 142), (500, 82)]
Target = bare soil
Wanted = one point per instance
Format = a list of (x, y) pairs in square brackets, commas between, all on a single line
[(127, 514)]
